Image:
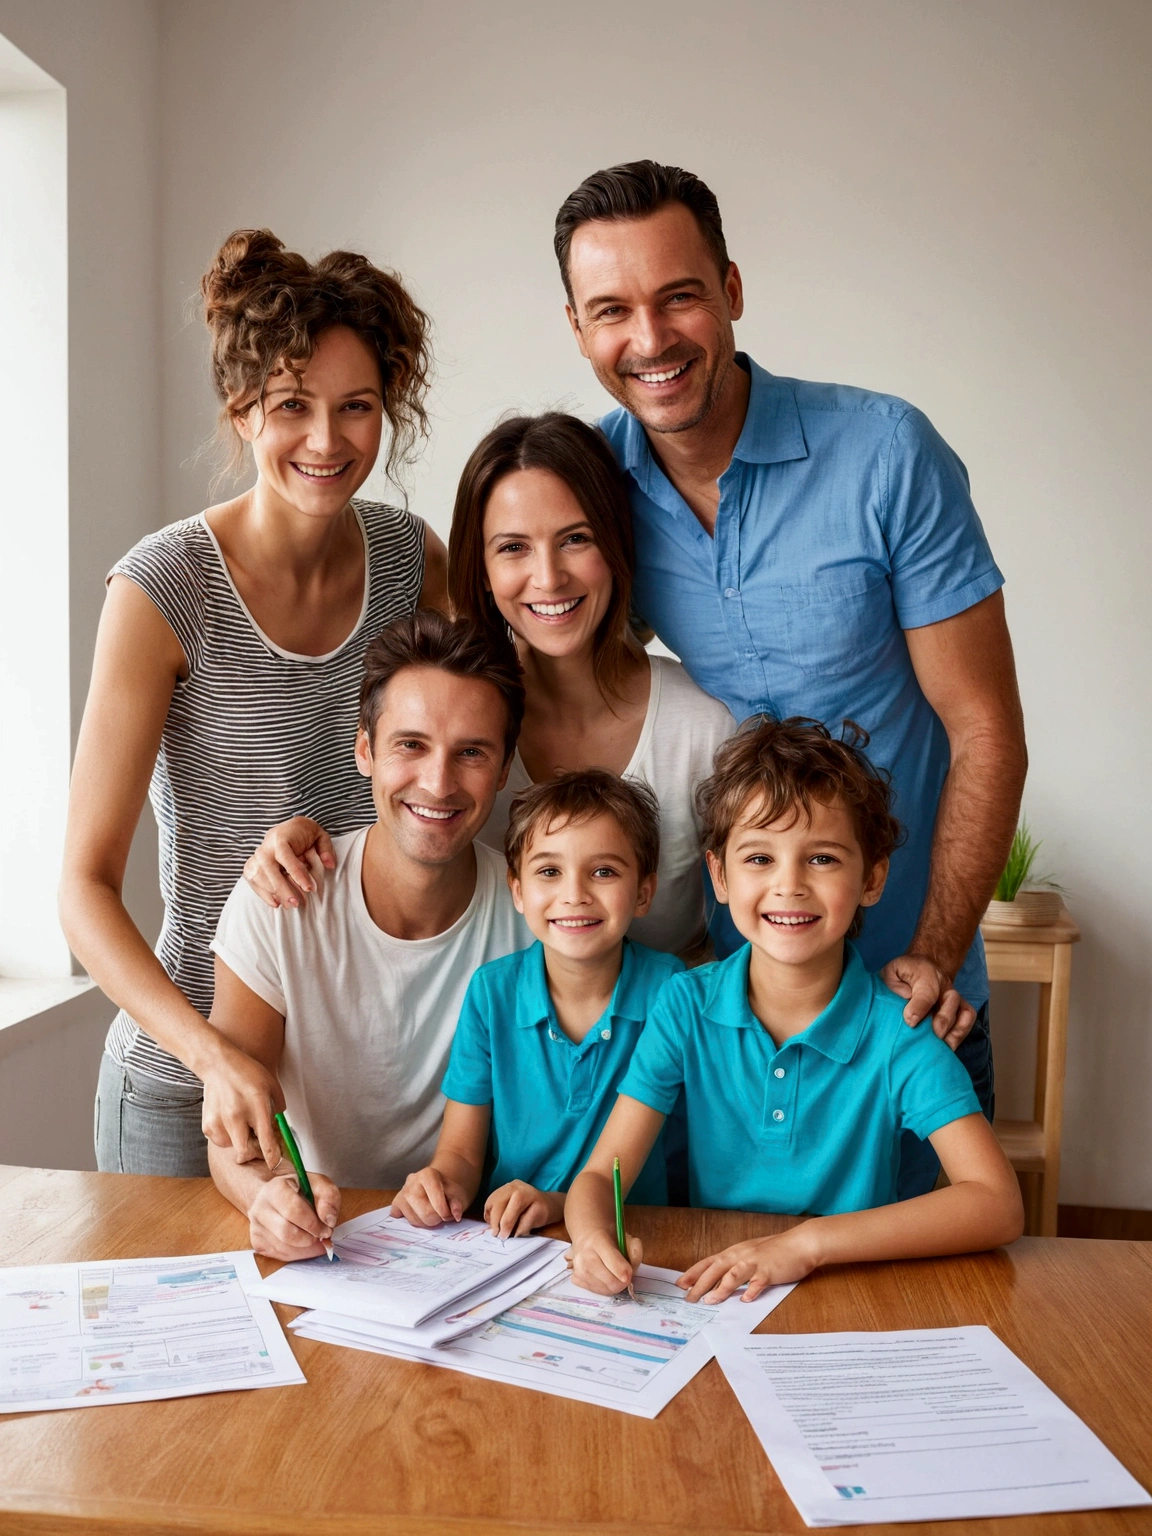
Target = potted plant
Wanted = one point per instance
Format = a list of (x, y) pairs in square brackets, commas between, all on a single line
[(1022, 896)]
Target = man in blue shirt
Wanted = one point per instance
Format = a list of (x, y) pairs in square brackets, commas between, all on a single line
[(810, 549)]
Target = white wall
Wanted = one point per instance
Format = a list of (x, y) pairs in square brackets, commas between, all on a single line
[(106, 56), (946, 201)]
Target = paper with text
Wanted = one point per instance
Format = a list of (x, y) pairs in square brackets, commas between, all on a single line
[(924, 1424)]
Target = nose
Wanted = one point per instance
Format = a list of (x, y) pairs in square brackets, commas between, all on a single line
[(438, 775), (789, 877), (324, 433), (573, 892), (651, 332), (548, 573)]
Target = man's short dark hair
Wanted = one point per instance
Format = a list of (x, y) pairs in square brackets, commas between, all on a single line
[(582, 795), (427, 639), (632, 192)]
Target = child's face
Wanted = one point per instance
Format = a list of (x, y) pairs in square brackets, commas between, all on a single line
[(579, 887), (793, 889)]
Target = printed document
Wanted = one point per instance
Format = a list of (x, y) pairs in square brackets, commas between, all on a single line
[(632, 1355), (926, 1424), (392, 1272), (133, 1330)]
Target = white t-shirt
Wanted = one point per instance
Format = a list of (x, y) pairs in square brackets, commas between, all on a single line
[(368, 1019), (682, 729)]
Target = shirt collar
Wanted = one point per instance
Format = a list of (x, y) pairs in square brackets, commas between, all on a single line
[(772, 433), (534, 1001), (835, 1033)]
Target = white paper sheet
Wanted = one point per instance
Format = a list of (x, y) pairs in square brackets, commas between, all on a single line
[(633, 1356), (392, 1272), (926, 1424), (134, 1330)]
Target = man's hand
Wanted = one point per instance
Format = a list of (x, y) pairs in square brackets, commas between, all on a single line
[(762, 1261), (516, 1208), (281, 1223), (598, 1265), (926, 986), (428, 1199), (240, 1098), (290, 863)]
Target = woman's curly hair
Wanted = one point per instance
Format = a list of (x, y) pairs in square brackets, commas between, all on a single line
[(265, 307)]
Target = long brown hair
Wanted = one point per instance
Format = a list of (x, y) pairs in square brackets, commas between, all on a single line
[(265, 307), (580, 456)]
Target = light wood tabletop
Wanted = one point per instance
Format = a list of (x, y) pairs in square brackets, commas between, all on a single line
[(373, 1445)]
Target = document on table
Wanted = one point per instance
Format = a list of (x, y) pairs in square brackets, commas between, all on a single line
[(133, 1330), (609, 1350), (394, 1273), (926, 1424)]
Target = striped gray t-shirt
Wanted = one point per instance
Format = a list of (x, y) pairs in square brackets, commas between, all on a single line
[(253, 736)]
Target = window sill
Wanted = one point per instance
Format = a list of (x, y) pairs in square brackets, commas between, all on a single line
[(23, 998)]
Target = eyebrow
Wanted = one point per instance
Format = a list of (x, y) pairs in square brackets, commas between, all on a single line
[(826, 842), (291, 389), (567, 528), (592, 858), (680, 282), (465, 741)]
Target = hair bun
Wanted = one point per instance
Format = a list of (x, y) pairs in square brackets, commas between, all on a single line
[(248, 263)]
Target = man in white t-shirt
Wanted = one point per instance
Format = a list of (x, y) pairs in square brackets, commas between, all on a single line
[(351, 998)]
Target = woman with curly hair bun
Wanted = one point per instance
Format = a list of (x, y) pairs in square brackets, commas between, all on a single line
[(227, 671)]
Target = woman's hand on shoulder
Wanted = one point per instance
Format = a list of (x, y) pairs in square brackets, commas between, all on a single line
[(290, 863), (760, 1262), (517, 1208)]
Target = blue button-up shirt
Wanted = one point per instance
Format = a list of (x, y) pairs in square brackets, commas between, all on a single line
[(550, 1097), (811, 1127), (844, 520)]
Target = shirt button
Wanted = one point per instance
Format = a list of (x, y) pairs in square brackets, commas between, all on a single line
[(779, 1072), (552, 1034), (731, 592), (605, 1034), (777, 1114)]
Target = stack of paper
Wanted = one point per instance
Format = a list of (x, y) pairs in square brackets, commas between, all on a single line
[(536, 1330), (133, 1330), (928, 1424), (407, 1285)]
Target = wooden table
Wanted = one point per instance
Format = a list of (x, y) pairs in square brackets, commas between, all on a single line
[(373, 1445)]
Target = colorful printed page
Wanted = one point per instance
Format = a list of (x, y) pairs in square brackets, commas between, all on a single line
[(392, 1272), (133, 1330), (609, 1350), (927, 1424)]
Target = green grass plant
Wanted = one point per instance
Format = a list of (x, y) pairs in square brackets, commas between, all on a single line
[(1021, 862)]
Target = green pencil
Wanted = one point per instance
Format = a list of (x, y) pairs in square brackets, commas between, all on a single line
[(302, 1183), (621, 1240)]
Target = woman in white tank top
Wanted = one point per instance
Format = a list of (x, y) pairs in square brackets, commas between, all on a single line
[(227, 672)]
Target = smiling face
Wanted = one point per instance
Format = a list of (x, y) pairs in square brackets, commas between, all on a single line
[(793, 887), (579, 886), (436, 761), (315, 441), (546, 573), (653, 315)]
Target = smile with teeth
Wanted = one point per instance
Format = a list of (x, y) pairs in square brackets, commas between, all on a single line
[(320, 471), (790, 919), (575, 922), (555, 610), (661, 378), (430, 813)]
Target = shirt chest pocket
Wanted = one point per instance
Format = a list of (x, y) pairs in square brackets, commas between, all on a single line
[(836, 625)]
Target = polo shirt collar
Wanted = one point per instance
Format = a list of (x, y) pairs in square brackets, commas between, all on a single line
[(534, 1001), (835, 1033), (772, 433)]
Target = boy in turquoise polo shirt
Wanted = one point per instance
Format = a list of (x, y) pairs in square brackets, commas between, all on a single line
[(798, 1071), (545, 1035)]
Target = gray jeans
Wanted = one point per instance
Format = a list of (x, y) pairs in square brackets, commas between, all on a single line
[(145, 1126)]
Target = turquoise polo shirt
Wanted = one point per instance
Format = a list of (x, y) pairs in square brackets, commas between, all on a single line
[(550, 1097), (811, 1128), (844, 520)]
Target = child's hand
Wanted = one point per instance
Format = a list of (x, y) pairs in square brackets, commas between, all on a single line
[(281, 1223), (598, 1265), (761, 1261), (428, 1199), (516, 1208)]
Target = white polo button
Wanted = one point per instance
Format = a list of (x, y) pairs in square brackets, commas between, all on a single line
[(779, 1072), (777, 1114), (605, 1034), (552, 1034), (731, 592)]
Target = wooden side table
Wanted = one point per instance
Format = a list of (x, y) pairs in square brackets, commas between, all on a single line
[(1044, 955)]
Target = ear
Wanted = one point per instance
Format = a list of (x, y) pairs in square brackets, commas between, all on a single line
[(716, 870), (247, 424), (645, 893), (734, 291), (874, 883), (576, 331), (517, 893), (363, 753)]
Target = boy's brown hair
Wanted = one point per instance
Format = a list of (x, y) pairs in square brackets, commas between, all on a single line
[(580, 796), (787, 765)]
